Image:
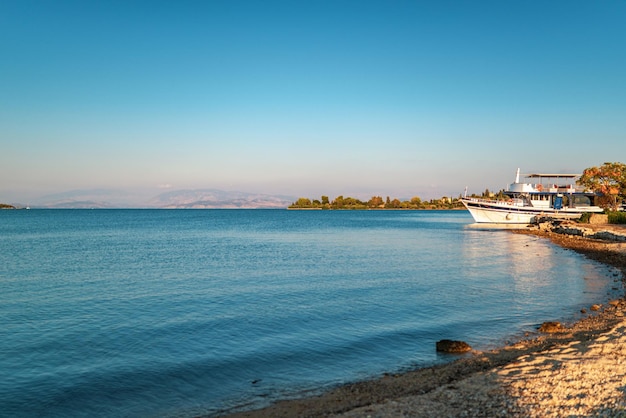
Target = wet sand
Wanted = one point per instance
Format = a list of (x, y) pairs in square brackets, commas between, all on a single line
[(578, 371)]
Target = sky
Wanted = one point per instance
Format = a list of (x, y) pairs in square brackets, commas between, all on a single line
[(306, 98)]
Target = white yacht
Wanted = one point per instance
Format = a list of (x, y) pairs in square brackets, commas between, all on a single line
[(544, 195)]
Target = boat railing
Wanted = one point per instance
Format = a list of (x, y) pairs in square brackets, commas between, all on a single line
[(554, 188), (513, 202)]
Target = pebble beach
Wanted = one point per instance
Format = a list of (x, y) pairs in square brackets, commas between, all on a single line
[(579, 370)]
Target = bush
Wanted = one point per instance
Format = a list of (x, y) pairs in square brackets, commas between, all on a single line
[(584, 219), (617, 217)]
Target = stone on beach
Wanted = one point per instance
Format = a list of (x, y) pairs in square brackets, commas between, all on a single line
[(451, 346), (550, 327)]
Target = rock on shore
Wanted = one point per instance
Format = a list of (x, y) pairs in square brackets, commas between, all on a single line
[(604, 232), (450, 346), (551, 327)]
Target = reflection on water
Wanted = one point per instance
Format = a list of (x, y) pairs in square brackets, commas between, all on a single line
[(491, 227), (534, 280)]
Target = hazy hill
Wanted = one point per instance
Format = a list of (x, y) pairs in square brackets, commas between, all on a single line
[(183, 199), (218, 199), (85, 199)]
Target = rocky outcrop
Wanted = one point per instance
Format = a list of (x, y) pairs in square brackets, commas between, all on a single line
[(600, 232)]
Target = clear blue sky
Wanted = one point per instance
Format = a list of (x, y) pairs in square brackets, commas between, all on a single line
[(304, 98)]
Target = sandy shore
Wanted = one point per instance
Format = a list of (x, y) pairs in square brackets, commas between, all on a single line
[(578, 371)]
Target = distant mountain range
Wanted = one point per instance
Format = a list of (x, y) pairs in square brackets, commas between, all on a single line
[(219, 199), (178, 199)]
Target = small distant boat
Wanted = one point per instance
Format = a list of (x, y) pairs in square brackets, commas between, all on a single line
[(545, 195)]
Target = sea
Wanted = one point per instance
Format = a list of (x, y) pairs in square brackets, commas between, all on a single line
[(183, 313)]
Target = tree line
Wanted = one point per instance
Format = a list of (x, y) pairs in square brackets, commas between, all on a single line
[(376, 203)]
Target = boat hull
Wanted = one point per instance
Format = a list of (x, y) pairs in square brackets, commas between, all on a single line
[(503, 213)]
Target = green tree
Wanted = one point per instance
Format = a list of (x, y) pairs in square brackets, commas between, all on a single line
[(609, 179), (302, 202), (325, 200)]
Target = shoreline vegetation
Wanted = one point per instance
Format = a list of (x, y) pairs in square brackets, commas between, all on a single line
[(578, 370), (378, 203)]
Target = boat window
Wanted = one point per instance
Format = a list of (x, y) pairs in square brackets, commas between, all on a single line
[(581, 200)]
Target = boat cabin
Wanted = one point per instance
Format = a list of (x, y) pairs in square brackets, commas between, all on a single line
[(556, 191)]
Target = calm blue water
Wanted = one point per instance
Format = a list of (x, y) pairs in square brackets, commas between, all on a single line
[(181, 313)]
